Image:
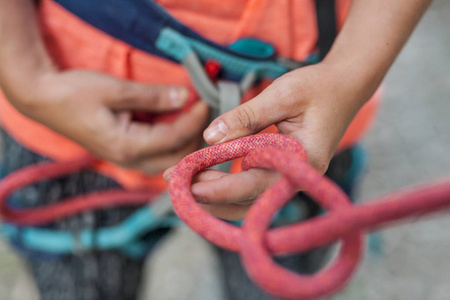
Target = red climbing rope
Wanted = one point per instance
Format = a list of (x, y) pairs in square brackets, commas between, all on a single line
[(94, 200), (66, 207), (256, 243)]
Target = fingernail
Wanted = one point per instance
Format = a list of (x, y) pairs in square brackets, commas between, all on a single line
[(167, 175), (178, 96), (201, 201), (215, 133)]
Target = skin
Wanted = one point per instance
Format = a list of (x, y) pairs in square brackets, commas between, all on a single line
[(97, 105), (315, 104)]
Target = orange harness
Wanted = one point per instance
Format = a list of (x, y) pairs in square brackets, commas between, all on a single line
[(100, 52)]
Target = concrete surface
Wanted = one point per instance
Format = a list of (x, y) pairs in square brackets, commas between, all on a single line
[(410, 143)]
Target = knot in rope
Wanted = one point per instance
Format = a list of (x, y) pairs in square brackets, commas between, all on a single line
[(287, 156), (256, 243)]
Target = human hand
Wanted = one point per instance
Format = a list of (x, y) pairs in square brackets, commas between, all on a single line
[(95, 110), (315, 105)]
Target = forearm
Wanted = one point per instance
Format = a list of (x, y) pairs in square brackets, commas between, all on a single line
[(370, 40), (22, 53)]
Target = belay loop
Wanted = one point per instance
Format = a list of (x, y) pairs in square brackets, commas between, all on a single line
[(256, 243)]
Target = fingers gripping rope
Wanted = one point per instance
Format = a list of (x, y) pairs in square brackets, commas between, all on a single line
[(255, 242), (287, 157)]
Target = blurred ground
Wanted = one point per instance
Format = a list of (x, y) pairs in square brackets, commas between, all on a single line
[(410, 143)]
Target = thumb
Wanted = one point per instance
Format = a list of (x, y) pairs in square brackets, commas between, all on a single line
[(246, 119), (150, 98)]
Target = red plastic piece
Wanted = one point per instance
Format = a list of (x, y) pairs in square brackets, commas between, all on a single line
[(212, 68)]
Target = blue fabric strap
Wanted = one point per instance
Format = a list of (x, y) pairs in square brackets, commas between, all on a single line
[(179, 47), (139, 23)]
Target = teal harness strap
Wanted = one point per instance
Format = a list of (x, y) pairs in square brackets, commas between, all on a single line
[(177, 43), (179, 47), (122, 236)]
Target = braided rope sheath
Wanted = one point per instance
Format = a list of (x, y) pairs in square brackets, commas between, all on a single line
[(255, 243), (91, 201), (49, 213)]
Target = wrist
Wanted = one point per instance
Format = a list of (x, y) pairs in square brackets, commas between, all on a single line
[(25, 83), (355, 82), (23, 56)]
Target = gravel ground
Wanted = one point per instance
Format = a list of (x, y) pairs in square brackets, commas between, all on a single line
[(409, 144)]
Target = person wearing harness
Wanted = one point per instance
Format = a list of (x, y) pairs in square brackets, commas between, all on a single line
[(122, 80)]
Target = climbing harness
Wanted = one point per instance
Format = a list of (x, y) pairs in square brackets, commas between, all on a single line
[(344, 221), (221, 76), (147, 26), (218, 73), (122, 235), (255, 242), (49, 213)]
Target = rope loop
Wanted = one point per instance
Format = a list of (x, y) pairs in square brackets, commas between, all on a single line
[(66, 207), (285, 155), (254, 241)]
